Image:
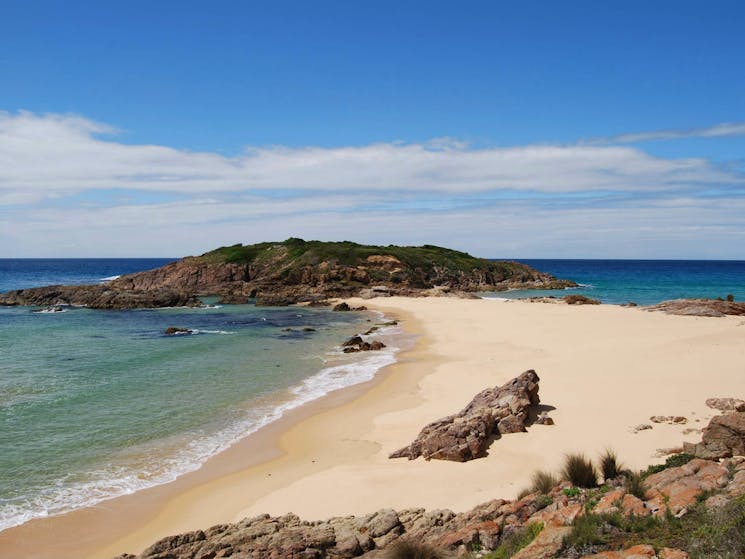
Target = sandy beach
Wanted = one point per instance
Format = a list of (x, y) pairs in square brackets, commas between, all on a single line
[(604, 370)]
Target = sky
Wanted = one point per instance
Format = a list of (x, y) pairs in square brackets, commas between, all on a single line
[(515, 129)]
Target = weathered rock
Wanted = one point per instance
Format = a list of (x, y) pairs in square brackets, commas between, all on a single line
[(726, 404), (546, 544), (634, 506), (642, 427), (679, 487), (580, 300), (353, 341), (610, 502), (723, 437), (700, 307), (105, 296), (669, 419), (356, 343), (233, 299), (467, 434), (342, 307), (483, 527)]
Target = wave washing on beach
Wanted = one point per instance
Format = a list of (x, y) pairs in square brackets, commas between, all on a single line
[(96, 411), (165, 460)]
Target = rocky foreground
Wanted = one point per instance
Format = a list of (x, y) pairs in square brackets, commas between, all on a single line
[(296, 271), (686, 506)]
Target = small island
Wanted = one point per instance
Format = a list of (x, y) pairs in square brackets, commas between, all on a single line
[(297, 271)]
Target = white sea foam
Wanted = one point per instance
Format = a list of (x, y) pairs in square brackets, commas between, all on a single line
[(107, 279), (151, 469), (50, 311)]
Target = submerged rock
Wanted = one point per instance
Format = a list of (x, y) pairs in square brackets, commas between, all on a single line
[(174, 330)]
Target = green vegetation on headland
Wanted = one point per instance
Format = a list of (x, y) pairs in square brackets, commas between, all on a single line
[(295, 271), (346, 253)]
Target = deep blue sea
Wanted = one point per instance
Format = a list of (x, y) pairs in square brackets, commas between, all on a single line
[(96, 404), (644, 282), (92, 402)]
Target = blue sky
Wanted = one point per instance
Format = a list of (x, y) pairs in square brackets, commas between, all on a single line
[(515, 129)]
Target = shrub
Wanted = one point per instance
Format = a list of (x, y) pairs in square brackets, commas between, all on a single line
[(730, 298), (515, 541), (672, 462), (543, 482), (609, 465), (721, 533), (580, 471), (407, 549), (587, 530)]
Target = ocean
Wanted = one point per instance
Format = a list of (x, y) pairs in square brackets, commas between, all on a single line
[(96, 404), (644, 282)]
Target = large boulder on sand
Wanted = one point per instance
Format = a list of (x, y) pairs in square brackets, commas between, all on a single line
[(722, 438), (467, 434)]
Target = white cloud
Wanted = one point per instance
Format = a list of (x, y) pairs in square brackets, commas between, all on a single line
[(55, 155), (380, 193), (718, 131)]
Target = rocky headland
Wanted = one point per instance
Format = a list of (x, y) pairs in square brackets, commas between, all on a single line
[(295, 271)]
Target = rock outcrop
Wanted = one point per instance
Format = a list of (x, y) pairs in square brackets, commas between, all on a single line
[(467, 434), (700, 307), (483, 528), (726, 404), (107, 296), (293, 271), (722, 438)]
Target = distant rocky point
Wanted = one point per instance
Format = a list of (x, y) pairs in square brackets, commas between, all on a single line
[(701, 307), (295, 271)]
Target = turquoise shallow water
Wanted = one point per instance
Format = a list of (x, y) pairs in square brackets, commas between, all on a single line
[(95, 404)]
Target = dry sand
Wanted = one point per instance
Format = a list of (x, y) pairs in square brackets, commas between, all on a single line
[(605, 369)]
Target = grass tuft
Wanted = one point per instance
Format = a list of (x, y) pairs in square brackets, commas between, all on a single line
[(579, 471), (609, 465), (543, 482)]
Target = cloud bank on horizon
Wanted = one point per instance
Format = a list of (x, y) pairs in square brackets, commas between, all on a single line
[(70, 187)]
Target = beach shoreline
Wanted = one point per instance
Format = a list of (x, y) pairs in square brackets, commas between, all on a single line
[(604, 369)]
